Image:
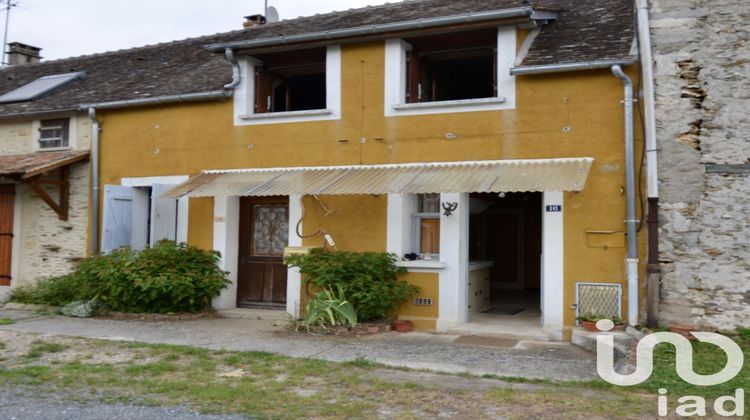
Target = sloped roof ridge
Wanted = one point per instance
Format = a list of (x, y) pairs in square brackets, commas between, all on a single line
[(545, 5)]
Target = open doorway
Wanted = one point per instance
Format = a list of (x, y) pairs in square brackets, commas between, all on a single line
[(506, 241)]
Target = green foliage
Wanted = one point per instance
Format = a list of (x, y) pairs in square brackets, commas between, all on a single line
[(369, 280), (589, 317), (329, 309), (164, 279), (7, 321), (57, 291), (707, 359)]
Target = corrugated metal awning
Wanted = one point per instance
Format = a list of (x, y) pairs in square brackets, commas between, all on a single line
[(569, 174)]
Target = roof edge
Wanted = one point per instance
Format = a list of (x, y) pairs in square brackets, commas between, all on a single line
[(168, 99), (566, 67), (375, 29)]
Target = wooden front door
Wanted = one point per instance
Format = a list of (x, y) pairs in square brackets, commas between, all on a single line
[(264, 233), (7, 203)]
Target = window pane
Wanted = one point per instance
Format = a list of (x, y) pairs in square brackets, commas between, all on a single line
[(270, 230), (429, 236), (53, 133), (428, 203)]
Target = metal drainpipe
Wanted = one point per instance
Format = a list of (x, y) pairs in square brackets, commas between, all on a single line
[(630, 187), (654, 268), (236, 72), (94, 181)]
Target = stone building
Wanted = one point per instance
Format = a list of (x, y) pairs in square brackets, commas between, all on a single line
[(702, 58)]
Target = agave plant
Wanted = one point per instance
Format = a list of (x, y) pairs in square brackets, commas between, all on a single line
[(330, 308)]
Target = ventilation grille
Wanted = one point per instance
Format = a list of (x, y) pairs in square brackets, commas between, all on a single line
[(599, 299), (423, 301)]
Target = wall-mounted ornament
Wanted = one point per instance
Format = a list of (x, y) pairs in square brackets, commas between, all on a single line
[(449, 208)]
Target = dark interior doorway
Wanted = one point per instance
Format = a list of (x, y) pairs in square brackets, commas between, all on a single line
[(506, 229)]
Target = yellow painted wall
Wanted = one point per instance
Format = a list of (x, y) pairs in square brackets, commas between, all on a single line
[(563, 115), (423, 317)]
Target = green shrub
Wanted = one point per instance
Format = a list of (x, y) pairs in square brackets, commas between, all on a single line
[(57, 291), (369, 280), (164, 279), (329, 308)]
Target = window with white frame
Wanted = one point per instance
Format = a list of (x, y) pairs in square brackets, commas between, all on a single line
[(426, 237), (54, 134), (291, 86), (454, 72)]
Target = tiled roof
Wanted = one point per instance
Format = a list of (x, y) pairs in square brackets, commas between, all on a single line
[(36, 163), (587, 30)]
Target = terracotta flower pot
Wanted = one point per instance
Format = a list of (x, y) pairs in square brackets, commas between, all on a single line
[(590, 326), (403, 326)]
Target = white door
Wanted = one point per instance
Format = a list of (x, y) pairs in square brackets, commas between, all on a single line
[(163, 215), (118, 217)]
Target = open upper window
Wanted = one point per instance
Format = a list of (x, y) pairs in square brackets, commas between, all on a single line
[(289, 86), (291, 81), (452, 72), (452, 67)]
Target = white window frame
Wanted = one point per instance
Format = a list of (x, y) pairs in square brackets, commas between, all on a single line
[(244, 95), (417, 218), (395, 81), (36, 125)]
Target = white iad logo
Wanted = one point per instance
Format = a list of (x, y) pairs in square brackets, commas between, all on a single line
[(683, 362)]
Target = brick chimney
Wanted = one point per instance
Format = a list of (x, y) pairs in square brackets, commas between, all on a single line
[(254, 21), (20, 54)]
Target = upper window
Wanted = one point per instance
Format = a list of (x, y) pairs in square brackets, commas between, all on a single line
[(448, 73), (452, 67), (292, 86), (54, 134), (291, 81)]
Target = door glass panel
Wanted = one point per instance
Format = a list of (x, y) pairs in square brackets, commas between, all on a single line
[(270, 230)]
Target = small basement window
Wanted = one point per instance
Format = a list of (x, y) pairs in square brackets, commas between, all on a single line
[(291, 81), (54, 134), (452, 67)]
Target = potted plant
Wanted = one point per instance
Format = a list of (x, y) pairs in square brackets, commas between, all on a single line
[(588, 322), (403, 326)]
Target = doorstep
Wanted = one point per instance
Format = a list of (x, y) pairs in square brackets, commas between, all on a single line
[(254, 314)]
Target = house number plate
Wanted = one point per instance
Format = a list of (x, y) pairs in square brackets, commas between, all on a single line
[(554, 209)]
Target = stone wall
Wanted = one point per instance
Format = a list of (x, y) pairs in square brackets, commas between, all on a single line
[(47, 246), (702, 55)]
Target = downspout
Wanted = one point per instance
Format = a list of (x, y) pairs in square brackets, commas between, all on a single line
[(94, 181), (236, 74), (630, 199), (647, 65)]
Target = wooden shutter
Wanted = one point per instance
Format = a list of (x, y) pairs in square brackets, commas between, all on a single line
[(163, 215), (117, 225), (7, 203)]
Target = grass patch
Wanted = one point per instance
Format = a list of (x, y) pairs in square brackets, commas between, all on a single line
[(40, 348), (7, 321), (264, 385)]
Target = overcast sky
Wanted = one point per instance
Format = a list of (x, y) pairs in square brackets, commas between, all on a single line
[(67, 28)]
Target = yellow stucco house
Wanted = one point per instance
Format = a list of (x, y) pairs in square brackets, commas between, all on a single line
[(487, 144)]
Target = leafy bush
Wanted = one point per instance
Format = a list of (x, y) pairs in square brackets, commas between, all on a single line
[(329, 308), (164, 279), (369, 280)]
